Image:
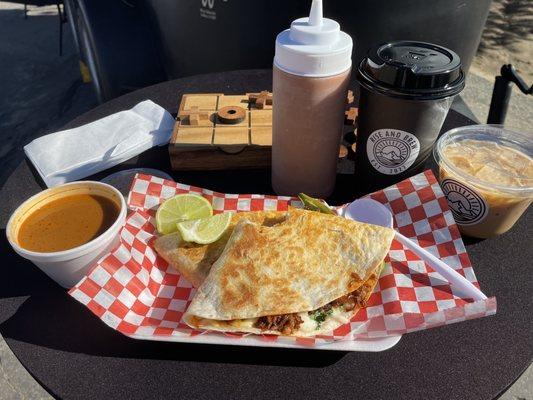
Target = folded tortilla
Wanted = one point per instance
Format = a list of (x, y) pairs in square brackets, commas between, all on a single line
[(303, 276), (193, 261)]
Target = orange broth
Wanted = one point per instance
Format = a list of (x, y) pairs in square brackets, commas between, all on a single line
[(67, 222)]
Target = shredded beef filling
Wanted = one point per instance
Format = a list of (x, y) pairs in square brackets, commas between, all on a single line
[(349, 301), (288, 323), (285, 323), (357, 298)]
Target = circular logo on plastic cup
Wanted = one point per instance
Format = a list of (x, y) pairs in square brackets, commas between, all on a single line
[(391, 151), (467, 206)]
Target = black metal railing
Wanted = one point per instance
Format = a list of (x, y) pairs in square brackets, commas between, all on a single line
[(501, 93)]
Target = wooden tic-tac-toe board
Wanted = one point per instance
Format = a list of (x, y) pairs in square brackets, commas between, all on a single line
[(216, 131)]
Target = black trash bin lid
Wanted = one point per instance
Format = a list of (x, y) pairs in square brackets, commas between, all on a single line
[(412, 70)]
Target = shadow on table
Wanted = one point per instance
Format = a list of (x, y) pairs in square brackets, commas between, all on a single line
[(35, 310), (57, 321)]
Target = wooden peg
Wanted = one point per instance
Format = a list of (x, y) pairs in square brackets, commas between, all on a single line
[(197, 117), (350, 97), (350, 116), (343, 151), (194, 116), (260, 99), (231, 115)]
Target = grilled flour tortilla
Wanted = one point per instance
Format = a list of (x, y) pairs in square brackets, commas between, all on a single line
[(304, 276), (194, 261)]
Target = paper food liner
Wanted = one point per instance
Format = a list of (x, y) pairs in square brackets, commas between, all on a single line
[(136, 292)]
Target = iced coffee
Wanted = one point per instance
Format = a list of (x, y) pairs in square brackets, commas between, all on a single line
[(486, 174)]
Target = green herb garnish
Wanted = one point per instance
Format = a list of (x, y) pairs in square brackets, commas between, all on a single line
[(320, 316)]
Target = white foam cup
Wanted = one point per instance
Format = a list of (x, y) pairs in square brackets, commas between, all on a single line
[(68, 267)]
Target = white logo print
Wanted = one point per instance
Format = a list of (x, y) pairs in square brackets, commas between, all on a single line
[(206, 10), (391, 151)]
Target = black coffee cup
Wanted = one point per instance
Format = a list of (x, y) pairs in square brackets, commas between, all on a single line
[(406, 91)]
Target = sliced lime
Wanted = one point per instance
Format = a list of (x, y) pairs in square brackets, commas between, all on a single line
[(205, 230), (182, 207)]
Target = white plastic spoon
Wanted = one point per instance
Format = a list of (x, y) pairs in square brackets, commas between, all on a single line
[(373, 212)]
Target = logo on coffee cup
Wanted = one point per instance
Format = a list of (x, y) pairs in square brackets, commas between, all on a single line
[(467, 206), (391, 151)]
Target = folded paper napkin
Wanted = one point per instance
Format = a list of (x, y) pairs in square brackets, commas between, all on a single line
[(76, 153)]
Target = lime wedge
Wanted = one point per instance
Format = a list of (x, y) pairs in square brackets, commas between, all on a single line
[(182, 207), (313, 204), (205, 230)]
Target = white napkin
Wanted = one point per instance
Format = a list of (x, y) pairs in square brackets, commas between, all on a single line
[(76, 153)]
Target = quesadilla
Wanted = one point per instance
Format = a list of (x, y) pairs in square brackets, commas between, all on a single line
[(306, 275), (194, 261)]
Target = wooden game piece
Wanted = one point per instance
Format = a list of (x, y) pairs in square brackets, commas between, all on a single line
[(350, 97), (261, 99), (198, 118), (350, 116), (194, 116), (194, 119), (260, 102), (343, 151), (231, 115)]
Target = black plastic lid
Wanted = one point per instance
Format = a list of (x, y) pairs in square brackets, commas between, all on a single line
[(413, 70)]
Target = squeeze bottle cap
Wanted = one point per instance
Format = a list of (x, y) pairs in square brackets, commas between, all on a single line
[(314, 46)]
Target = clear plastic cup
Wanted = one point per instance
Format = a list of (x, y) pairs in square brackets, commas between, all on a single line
[(486, 174)]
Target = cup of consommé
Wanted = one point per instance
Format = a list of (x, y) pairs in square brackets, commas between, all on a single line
[(66, 229), (486, 174)]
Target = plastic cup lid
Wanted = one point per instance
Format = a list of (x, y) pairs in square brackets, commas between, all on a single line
[(414, 70)]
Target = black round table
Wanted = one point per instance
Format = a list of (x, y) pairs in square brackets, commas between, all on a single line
[(74, 355)]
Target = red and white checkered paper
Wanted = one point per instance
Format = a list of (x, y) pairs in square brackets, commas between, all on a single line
[(137, 293)]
